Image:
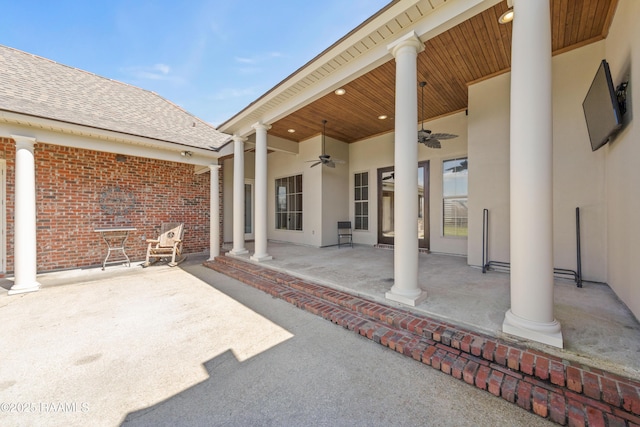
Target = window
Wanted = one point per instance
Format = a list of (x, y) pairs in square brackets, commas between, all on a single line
[(361, 198), (455, 179), (289, 203)]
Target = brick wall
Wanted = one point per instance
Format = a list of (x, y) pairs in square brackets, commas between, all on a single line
[(80, 190)]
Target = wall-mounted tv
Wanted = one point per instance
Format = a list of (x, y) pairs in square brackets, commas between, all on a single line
[(601, 109)]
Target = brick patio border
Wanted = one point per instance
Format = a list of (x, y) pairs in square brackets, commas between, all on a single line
[(563, 391)]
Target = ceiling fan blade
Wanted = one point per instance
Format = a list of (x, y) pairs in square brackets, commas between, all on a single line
[(330, 164), (433, 143), (315, 164), (338, 161), (443, 135)]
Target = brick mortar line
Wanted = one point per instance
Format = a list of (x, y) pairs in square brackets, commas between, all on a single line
[(526, 366)]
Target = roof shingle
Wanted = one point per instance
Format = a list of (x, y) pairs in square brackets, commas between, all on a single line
[(37, 86)]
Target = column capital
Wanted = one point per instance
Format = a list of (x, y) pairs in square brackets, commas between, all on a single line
[(214, 167), (238, 138), (260, 125), (408, 40), (24, 141)]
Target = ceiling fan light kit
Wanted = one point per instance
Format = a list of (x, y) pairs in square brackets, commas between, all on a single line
[(431, 140)]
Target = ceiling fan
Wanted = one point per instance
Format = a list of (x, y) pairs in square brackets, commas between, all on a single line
[(431, 140), (324, 158)]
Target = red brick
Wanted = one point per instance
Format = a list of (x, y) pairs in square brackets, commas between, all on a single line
[(508, 389), (557, 373), (428, 354), (447, 363), (482, 377), (542, 368), (540, 401), (610, 391), (527, 362), (557, 409), (513, 359), (627, 416), (595, 418), (476, 346), (591, 387), (630, 398), (501, 354), (613, 421), (574, 379), (488, 350), (575, 414), (458, 368), (523, 394), (469, 372), (437, 358), (495, 382), (465, 344)]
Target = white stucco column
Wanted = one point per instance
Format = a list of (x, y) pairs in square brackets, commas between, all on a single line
[(260, 231), (214, 215), (405, 261), (25, 253), (531, 314), (238, 197)]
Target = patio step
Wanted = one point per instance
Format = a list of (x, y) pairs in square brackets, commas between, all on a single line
[(563, 391)]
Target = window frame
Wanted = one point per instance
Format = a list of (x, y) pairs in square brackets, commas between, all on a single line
[(361, 205), (289, 204), (458, 197)]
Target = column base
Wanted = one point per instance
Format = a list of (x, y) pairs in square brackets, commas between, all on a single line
[(260, 258), (23, 289), (236, 252), (412, 300), (546, 333)]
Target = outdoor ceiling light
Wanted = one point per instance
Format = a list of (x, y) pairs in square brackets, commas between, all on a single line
[(291, 130), (340, 91), (506, 17), (382, 116), (186, 153)]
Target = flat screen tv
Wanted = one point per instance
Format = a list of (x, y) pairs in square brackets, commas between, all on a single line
[(601, 109)]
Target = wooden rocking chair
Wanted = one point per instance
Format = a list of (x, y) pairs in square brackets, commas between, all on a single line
[(169, 244)]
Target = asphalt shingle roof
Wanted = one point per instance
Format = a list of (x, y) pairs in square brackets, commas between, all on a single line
[(37, 86)]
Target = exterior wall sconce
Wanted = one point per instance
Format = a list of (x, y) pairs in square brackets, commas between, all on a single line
[(186, 153)]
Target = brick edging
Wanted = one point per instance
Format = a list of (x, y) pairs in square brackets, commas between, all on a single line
[(563, 391)]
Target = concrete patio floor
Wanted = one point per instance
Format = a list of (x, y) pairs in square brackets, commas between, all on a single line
[(188, 346), (598, 329)]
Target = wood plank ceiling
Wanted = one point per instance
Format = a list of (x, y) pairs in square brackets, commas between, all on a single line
[(477, 49)]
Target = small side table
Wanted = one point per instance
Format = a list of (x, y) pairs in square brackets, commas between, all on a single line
[(115, 237)]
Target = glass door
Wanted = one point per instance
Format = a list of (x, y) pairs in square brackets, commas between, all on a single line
[(386, 201)]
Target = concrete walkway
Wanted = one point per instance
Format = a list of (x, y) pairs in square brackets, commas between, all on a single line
[(187, 346)]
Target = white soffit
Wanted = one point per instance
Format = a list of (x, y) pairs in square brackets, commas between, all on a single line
[(359, 52)]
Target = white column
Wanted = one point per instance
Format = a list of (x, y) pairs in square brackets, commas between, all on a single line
[(531, 314), (405, 262), (214, 215), (238, 197), (25, 253), (260, 232)]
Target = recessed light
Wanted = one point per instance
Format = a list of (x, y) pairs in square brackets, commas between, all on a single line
[(382, 116), (340, 91), (291, 130), (506, 17)]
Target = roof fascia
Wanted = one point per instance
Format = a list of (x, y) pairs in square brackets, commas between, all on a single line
[(69, 135)]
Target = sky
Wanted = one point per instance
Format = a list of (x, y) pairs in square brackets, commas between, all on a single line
[(211, 57)]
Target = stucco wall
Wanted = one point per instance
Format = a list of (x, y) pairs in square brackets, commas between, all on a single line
[(578, 173), (80, 190), (622, 155), (378, 152)]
